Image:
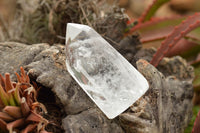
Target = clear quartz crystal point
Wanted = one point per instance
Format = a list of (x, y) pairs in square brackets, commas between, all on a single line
[(104, 74)]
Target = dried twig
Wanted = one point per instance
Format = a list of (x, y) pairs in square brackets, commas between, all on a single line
[(3, 24), (107, 38), (50, 24), (84, 14)]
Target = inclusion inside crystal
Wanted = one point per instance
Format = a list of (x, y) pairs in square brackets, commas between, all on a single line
[(105, 75)]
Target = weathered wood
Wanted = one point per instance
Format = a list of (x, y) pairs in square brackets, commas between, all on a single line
[(166, 107)]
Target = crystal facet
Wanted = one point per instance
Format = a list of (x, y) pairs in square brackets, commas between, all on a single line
[(105, 75)]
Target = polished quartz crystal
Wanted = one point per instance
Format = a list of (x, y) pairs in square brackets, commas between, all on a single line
[(105, 75)]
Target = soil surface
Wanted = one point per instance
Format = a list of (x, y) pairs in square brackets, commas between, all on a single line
[(55, 110)]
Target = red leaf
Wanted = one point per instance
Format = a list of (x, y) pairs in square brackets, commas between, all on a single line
[(196, 127)]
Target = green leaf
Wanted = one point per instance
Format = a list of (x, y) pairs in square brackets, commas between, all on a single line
[(194, 35), (4, 96), (11, 100), (156, 29), (16, 95), (190, 126), (152, 9)]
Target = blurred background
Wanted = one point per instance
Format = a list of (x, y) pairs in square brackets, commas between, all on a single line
[(37, 21), (45, 20)]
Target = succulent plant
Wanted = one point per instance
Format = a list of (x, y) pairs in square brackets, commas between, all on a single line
[(191, 23), (19, 109), (176, 35)]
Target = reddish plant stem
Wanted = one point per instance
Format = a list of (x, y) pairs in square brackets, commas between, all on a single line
[(179, 31)]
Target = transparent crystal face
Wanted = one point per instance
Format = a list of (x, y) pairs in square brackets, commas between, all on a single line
[(105, 75)]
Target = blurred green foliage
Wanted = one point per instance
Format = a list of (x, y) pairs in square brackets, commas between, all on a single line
[(190, 126)]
